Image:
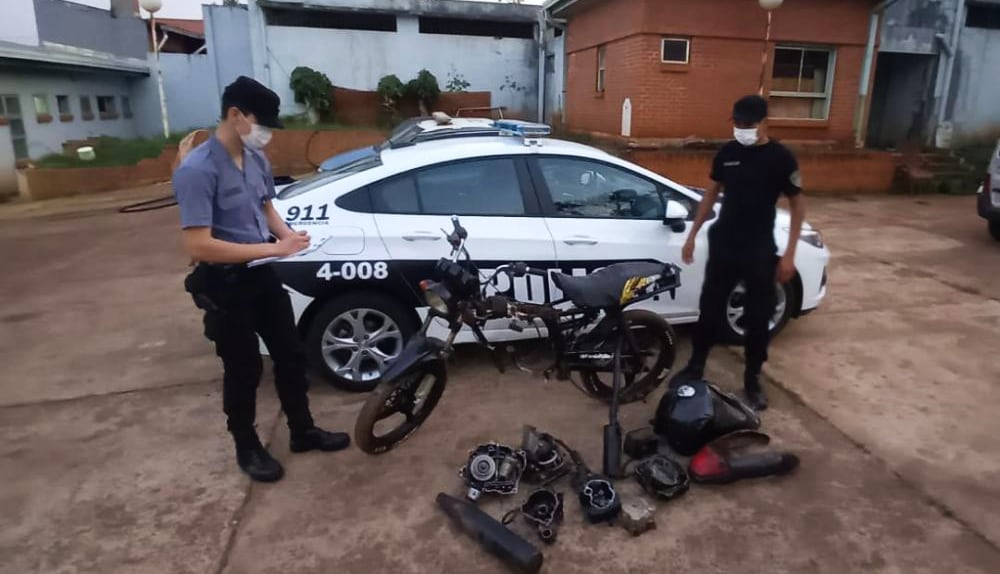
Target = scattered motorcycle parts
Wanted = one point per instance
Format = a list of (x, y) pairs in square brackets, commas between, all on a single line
[(493, 468), (637, 516), (599, 499), (661, 476), (736, 456), (544, 509), (693, 414), (545, 461), (522, 556), (641, 442)]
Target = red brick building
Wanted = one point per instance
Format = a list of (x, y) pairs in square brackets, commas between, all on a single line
[(682, 63)]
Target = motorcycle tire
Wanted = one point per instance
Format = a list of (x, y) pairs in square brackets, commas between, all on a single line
[(389, 396), (649, 329)]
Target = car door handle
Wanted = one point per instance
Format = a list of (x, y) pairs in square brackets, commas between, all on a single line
[(580, 241), (422, 236)]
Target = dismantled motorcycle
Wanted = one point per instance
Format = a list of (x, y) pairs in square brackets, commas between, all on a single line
[(661, 476), (593, 333)]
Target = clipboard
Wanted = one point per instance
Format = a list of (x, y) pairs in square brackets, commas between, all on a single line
[(314, 245)]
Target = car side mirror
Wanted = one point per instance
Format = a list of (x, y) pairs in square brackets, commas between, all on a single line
[(675, 216)]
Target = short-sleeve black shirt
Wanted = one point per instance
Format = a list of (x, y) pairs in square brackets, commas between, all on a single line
[(753, 178)]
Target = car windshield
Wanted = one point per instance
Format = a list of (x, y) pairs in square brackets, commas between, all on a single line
[(352, 163)]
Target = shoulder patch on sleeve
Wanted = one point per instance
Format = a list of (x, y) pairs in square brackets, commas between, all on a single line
[(796, 179)]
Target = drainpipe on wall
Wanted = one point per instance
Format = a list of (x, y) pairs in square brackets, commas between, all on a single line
[(949, 70), (866, 72), (541, 66)]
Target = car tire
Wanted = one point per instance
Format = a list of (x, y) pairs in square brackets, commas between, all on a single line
[(352, 322), (732, 335), (994, 227)]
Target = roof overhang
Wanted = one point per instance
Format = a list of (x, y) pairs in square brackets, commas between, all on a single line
[(439, 8), (70, 57)]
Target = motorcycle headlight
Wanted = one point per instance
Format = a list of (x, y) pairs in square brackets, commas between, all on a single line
[(436, 296)]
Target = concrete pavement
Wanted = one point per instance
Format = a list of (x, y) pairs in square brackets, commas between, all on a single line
[(115, 457)]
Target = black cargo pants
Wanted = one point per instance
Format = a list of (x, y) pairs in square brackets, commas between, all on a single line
[(723, 272), (241, 303)]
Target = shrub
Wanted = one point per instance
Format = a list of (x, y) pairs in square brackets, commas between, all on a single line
[(313, 89)]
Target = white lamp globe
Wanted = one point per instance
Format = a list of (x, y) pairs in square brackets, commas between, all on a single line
[(767, 4), (152, 6)]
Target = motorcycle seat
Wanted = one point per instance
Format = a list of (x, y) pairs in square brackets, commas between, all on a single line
[(602, 289)]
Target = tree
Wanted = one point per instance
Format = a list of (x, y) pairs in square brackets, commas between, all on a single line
[(424, 88), (390, 90), (314, 90)]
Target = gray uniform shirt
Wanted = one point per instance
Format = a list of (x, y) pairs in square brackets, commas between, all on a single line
[(212, 192)]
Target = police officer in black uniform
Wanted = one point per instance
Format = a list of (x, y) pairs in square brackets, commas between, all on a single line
[(224, 188), (753, 171)]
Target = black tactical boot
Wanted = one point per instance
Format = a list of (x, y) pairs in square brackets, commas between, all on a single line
[(254, 459), (756, 397), (692, 372), (315, 438)]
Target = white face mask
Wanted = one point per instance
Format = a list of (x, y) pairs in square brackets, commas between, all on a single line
[(747, 137), (258, 137)]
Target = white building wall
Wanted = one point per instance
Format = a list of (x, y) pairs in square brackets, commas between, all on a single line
[(17, 23), (975, 99), (47, 138), (358, 59)]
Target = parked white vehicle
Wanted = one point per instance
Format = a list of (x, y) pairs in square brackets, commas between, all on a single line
[(989, 195), (376, 215)]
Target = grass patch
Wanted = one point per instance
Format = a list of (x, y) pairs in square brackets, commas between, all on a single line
[(112, 152)]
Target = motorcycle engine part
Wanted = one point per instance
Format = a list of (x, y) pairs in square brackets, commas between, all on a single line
[(544, 509), (613, 448), (545, 461), (637, 516), (641, 442), (599, 499), (695, 413), (661, 476), (709, 467), (495, 468)]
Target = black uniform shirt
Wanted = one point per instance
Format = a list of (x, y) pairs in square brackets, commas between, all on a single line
[(753, 178)]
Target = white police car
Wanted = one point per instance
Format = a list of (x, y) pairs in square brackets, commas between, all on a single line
[(523, 197)]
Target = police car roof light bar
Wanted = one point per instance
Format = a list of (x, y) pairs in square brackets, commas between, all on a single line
[(530, 131)]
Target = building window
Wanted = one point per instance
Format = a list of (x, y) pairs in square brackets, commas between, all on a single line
[(338, 20), (10, 115), (86, 111), (106, 107), (802, 82), (486, 28), (983, 16), (65, 113), (601, 52), (42, 113), (126, 107), (675, 51)]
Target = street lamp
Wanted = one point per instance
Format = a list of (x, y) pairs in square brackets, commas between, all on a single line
[(153, 6), (768, 6)]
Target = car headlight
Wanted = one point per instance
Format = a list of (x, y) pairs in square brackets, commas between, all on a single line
[(810, 236), (437, 296)]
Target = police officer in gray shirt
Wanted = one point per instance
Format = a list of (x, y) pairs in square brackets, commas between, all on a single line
[(224, 188)]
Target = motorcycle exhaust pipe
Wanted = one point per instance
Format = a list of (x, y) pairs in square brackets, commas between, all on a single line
[(613, 450)]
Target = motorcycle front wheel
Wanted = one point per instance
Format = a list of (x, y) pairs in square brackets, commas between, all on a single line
[(396, 409), (651, 365)]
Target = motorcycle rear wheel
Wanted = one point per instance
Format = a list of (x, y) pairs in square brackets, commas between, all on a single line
[(657, 347), (405, 403)]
